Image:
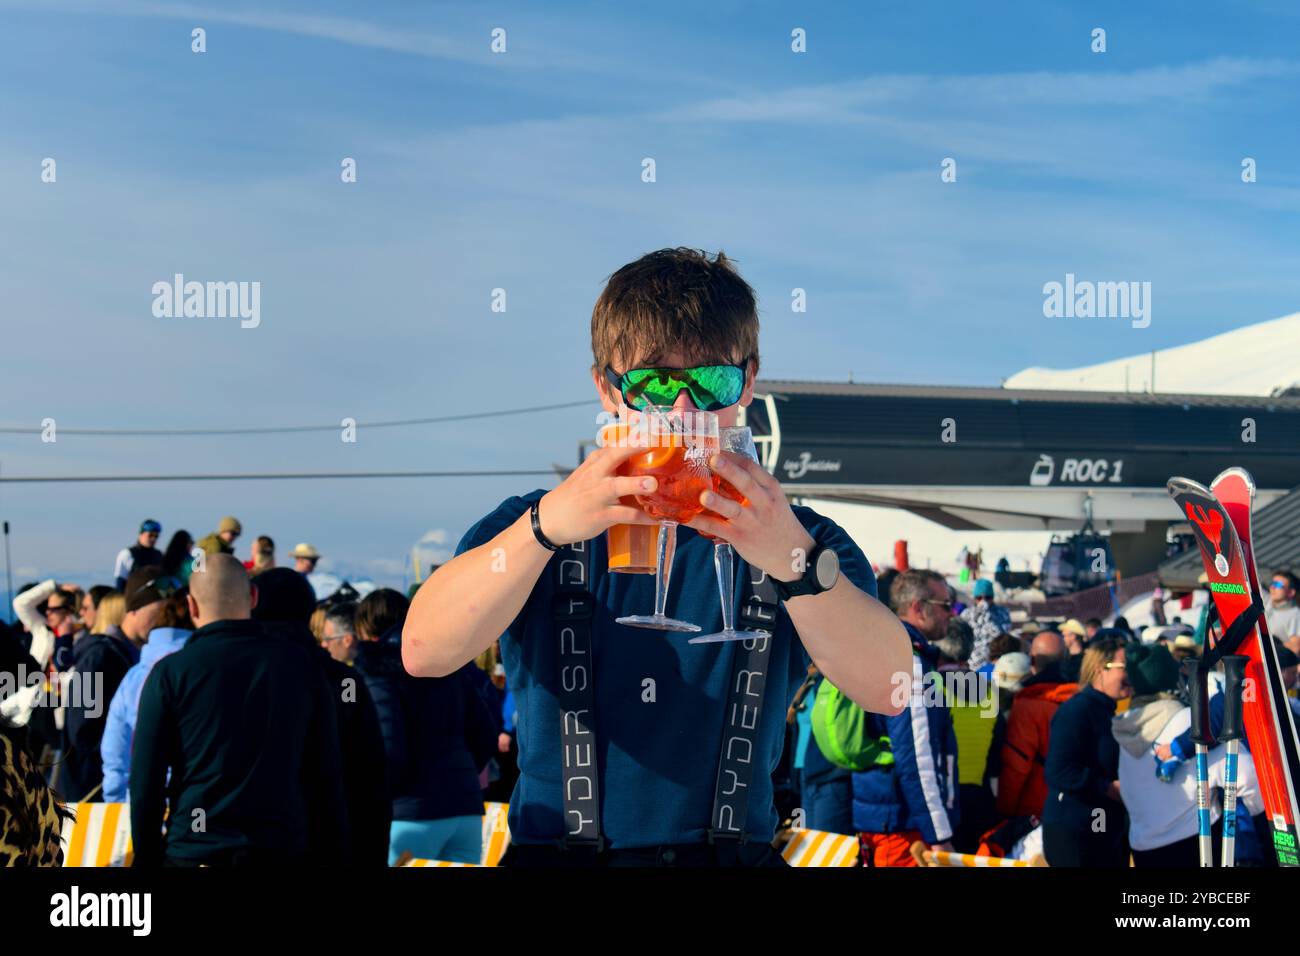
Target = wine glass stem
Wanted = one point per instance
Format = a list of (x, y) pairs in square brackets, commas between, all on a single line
[(667, 546), (726, 582)]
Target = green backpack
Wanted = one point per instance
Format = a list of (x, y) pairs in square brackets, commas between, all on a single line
[(842, 730)]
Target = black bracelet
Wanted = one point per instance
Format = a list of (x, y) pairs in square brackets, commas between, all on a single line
[(544, 541)]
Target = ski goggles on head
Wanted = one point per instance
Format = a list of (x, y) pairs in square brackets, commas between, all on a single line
[(712, 387)]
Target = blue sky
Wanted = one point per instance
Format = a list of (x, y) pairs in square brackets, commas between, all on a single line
[(522, 171)]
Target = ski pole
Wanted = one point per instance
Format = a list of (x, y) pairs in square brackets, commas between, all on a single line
[(1197, 677), (1234, 674)]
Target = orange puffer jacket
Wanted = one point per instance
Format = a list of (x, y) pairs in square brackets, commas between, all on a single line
[(1021, 787)]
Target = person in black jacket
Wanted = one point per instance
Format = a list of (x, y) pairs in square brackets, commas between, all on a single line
[(285, 601), (245, 725), (1084, 822), (438, 735), (101, 659)]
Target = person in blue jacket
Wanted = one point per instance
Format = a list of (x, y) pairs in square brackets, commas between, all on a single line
[(915, 797), (172, 631)]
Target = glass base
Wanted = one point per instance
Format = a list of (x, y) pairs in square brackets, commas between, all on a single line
[(659, 622), (730, 635)]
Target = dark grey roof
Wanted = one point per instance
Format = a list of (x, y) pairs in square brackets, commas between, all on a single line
[(881, 390), (1275, 536)]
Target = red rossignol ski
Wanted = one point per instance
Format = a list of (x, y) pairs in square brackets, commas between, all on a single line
[(1235, 490), (1221, 522)]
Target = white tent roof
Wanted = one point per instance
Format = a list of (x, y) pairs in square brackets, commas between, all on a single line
[(1260, 359)]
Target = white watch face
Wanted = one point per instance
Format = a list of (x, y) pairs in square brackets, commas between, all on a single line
[(828, 569)]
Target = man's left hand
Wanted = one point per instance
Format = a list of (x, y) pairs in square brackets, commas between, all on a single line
[(765, 531)]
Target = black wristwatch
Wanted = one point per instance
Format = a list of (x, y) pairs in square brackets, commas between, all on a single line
[(820, 574)]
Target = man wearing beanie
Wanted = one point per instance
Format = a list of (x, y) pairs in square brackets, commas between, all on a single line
[(144, 596), (222, 541), (284, 608), (143, 552), (1162, 811), (987, 620)]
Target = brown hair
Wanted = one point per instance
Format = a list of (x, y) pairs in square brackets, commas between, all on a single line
[(674, 300), (176, 612), (379, 612), (1004, 643), (1097, 656)]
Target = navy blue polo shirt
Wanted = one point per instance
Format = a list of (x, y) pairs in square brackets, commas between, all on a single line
[(659, 700)]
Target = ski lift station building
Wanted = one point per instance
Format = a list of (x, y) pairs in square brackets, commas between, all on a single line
[(1007, 459)]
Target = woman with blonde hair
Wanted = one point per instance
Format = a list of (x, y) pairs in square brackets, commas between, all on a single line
[(1084, 822), (109, 614), (107, 655)]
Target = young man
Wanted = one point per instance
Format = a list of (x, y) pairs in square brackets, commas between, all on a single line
[(143, 552), (653, 732), (1282, 614)]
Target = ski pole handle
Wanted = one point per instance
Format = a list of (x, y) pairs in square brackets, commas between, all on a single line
[(1234, 679), (1197, 683)]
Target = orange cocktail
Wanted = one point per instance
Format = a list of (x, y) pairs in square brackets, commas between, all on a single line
[(678, 446), (680, 463), (727, 490), (631, 547)]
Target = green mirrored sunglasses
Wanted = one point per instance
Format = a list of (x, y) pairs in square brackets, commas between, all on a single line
[(712, 387)]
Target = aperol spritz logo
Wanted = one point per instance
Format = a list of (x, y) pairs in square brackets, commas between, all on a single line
[(656, 430)]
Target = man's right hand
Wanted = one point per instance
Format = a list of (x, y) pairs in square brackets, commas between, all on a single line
[(587, 502)]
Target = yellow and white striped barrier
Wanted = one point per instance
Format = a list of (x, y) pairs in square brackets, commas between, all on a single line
[(496, 832), (819, 848), (944, 858), (496, 838), (99, 834), (437, 863)]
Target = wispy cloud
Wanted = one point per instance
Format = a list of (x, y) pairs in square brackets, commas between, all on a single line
[(339, 29), (529, 50), (961, 93)]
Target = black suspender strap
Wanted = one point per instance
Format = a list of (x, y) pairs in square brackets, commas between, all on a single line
[(744, 712), (572, 606), (572, 609)]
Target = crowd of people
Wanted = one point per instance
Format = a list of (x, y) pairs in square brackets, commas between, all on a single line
[(287, 731), (246, 721), (333, 751), (1087, 761)]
